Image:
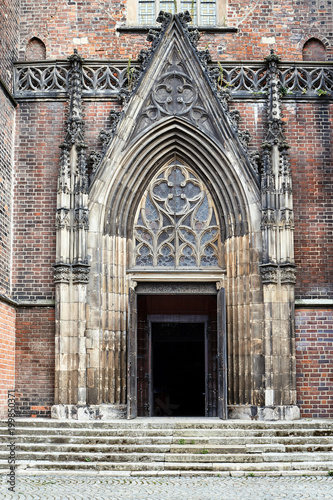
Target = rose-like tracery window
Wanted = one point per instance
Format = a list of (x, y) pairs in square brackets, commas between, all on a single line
[(176, 224)]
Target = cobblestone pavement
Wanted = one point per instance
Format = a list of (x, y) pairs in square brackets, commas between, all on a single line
[(89, 487)]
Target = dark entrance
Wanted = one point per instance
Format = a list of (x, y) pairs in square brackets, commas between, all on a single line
[(187, 364), (178, 368)]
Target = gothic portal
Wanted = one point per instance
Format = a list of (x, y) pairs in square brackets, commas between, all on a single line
[(175, 267)]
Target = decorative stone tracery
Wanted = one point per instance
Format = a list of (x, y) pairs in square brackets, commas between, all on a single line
[(176, 224), (174, 94)]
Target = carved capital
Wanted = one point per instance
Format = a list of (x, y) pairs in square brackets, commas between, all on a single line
[(288, 274), (273, 274), (81, 273), (287, 217), (269, 273), (133, 284), (268, 218), (62, 273)]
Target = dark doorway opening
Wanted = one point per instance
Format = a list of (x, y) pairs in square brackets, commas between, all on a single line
[(199, 312), (178, 369)]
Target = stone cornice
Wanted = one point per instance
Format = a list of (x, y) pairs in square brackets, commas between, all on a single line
[(317, 303), (27, 303)]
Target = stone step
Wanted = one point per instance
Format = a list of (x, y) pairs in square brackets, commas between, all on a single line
[(167, 457), (95, 439), (176, 433), (170, 446), (176, 423), (83, 448), (172, 467), (256, 433), (143, 448), (165, 448), (254, 457)]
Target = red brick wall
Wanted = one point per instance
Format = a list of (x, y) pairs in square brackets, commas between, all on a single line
[(96, 117), (36, 50), (35, 330), (7, 121), (9, 22), (262, 25), (314, 50), (7, 354), (314, 358), (40, 131), (309, 132)]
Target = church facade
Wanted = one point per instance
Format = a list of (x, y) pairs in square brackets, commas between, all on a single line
[(166, 232)]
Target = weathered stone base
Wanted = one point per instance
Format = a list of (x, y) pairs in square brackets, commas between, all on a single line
[(248, 412), (88, 412)]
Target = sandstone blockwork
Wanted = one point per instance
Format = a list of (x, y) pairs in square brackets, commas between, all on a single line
[(89, 127)]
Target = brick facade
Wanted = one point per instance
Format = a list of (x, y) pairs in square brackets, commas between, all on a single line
[(38, 128), (314, 352), (34, 382), (39, 133), (9, 22), (262, 26), (7, 354), (309, 131), (7, 121)]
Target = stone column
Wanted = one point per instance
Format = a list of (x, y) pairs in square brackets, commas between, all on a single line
[(278, 268), (71, 267)]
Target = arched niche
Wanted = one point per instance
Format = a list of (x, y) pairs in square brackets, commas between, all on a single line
[(314, 50), (36, 50)]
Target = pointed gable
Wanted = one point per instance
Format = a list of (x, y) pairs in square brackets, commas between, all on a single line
[(175, 92)]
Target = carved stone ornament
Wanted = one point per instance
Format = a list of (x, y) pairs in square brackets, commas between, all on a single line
[(62, 274), (62, 218), (176, 225), (176, 288), (288, 275), (287, 217), (81, 218), (81, 274), (220, 284), (174, 94), (269, 274), (133, 284), (268, 218)]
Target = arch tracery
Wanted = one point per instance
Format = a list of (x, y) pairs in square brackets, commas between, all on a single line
[(176, 222)]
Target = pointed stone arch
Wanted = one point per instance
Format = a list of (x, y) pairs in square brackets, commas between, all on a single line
[(124, 173), (114, 197)]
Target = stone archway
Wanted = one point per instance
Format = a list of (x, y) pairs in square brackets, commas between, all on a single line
[(96, 278)]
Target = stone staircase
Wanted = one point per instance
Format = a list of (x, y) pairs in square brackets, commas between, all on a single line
[(171, 446)]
